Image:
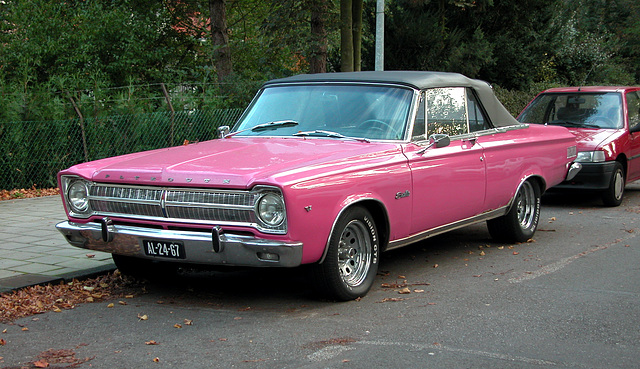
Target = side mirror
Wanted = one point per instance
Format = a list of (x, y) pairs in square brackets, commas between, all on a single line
[(439, 140), (223, 131)]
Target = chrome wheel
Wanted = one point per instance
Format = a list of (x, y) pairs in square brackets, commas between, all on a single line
[(354, 253), (520, 223), (351, 262), (526, 205)]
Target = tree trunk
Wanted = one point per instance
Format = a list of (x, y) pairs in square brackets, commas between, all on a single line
[(220, 38), (346, 36), (318, 56)]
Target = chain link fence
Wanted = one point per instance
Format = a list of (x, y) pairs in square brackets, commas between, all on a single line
[(34, 151)]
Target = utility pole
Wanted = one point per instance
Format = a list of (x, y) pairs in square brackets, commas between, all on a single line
[(379, 35)]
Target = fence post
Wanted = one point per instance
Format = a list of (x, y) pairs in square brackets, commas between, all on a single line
[(173, 112), (82, 131)]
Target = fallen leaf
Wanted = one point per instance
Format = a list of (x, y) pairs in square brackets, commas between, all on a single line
[(392, 299), (177, 325), (404, 291), (90, 256), (110, 305), (152, 342), (40, 364), (89, 299), (25, 329), (418, 291), (482, 253), (87, 288), (188, 322), (435, 265), (56, 309), (2, 342), (156, 359), (4, 331), (143, 317), (128, 297), (401, 277), (515, 253), (122, 303)]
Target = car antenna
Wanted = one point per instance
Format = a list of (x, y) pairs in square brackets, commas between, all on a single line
[(585, 77)]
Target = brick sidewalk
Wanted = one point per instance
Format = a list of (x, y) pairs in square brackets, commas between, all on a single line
[(32, 251)]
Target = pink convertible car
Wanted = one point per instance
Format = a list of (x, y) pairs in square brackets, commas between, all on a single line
[(328, 170)]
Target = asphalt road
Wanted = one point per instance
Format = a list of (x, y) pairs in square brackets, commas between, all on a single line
[(570, 299)]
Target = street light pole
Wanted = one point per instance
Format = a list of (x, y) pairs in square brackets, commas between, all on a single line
[(379, 35)]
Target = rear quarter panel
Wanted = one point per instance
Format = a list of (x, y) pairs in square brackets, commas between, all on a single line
[(515, 155)]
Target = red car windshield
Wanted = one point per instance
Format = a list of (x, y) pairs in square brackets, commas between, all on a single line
[(580, 110)]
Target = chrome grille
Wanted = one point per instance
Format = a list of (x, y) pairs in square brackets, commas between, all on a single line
[(178, 204)]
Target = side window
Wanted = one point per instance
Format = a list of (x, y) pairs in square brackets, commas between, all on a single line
[(420, 123), (446, 111), (477, 119), (633, 109)]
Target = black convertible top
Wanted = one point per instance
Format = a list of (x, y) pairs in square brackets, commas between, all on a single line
[(499, 116)]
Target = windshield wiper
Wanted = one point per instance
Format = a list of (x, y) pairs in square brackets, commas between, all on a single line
[(265, 126), (566, 123), (323, 133)]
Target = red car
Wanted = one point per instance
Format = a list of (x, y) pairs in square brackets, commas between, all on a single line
[(606, 122)]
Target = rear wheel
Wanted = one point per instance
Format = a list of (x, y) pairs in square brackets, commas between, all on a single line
[(351, 263), (612, 196), (520, 223)]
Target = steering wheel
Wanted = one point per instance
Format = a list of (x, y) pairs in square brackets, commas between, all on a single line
[(378, 125), (608, 123)]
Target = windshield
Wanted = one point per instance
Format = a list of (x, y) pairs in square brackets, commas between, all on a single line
[(329, 111), (582, 110)]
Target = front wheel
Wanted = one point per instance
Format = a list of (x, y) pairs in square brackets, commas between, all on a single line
[(612, 196), (520, 223), (351, 263)]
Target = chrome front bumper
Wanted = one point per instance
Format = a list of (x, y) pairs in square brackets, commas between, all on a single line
[(215, 248)]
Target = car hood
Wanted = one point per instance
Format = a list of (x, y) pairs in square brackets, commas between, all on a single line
[(237, 162), (591, 139)]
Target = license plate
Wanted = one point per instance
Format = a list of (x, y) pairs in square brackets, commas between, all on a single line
[(164, 249)]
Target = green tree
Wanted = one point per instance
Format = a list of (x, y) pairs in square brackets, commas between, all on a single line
[(350, 35)]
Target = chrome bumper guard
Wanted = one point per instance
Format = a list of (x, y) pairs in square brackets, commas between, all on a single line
[(574, 168), (215, 248)]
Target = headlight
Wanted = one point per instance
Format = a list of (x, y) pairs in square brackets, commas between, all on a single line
[(78, 197), (270, 209), (590, 157)]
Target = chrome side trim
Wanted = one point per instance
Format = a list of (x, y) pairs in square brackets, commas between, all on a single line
[(447, 227)]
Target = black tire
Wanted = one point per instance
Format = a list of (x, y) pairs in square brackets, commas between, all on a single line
[(613, 195), (142, 268), (351, 264), (520, 223)]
